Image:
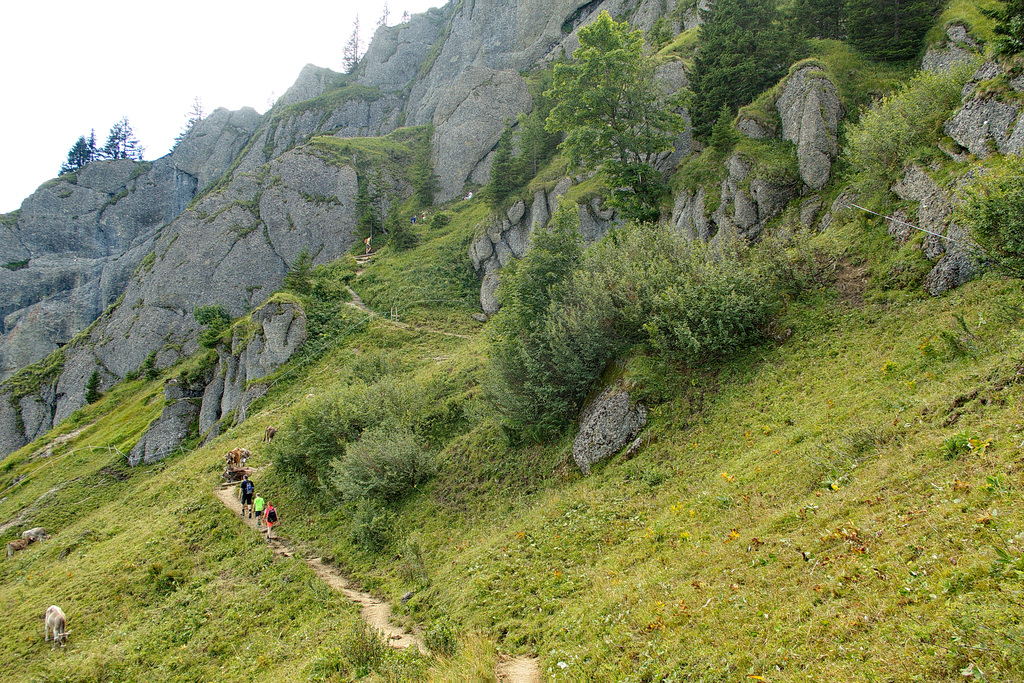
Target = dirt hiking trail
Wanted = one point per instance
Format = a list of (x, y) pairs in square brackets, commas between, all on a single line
[(375, 612)]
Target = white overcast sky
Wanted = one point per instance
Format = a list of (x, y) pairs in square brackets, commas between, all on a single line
[(68, 66)]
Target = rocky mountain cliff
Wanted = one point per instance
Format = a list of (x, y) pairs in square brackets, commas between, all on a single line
[(105, 266), (134, 234)]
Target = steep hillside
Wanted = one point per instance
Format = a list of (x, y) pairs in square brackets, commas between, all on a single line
[(837, 503), (772, 435)]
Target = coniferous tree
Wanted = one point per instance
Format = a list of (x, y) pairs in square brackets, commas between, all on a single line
[(194, 116), (299, 277), (502, 182), (350, 55), (537, 145), (421, 174), (122, 143), (889, 30), (744, 49), (78, 156), (400, 233), (820, 19), (92, 387), (724, 135)]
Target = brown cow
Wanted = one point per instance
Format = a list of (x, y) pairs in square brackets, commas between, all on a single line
[(54, 621), (16, 545), (236, 457), (269, 435)]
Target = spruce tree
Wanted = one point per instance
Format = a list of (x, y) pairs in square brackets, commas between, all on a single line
[(820, 19), (744, 49), (502, 182), (122, 143), (889, 30), (92, 387), (351, 53), (78, 156)]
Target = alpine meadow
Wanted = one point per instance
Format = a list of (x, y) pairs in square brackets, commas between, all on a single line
[(564, 341)]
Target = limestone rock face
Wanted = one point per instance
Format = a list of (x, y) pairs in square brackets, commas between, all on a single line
[(607, 424), (755, 130), (810, 111), (211, 145), (689, 218), (311, 82), (508, 236), (984, 126), (468, 121), (230, 250), (280, 332), (77, 240), (747, 203), (947, 244), (395, 54), (167, 432), (959, 49)]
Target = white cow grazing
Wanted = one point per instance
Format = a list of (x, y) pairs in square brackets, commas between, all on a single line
[(36, 534), (55, 622)]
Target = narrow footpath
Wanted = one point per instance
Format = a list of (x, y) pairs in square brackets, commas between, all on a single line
[(375, 612)]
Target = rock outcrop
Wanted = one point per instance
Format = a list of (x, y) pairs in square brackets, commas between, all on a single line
[(79, 238), (987, 125), (168, 431), (959, 49), (508, 236), (607, 424), (278, 331), (810, 111), (946, 243), (747, 203), (75, 243), (197, 408)]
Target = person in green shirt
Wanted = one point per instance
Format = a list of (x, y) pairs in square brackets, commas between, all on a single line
[(258, 505)]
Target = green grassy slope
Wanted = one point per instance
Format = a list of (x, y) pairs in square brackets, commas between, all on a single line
[(839, 502)]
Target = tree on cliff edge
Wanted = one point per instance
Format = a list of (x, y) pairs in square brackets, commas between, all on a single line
[(122, 143), (350, 54), (614, 115), (81, 153)]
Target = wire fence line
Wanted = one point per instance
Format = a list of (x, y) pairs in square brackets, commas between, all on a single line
[(901, 222)]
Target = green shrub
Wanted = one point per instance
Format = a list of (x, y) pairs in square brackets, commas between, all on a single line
[(321, 431), (372, 525), (904, 125), (441, 637), (992, 209), (216, 318), (685, 302), (386, 464), (363, 648)]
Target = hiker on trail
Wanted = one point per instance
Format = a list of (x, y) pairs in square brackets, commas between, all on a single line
[(271, 519), (258, 505), (247, 489), (367, 243)]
